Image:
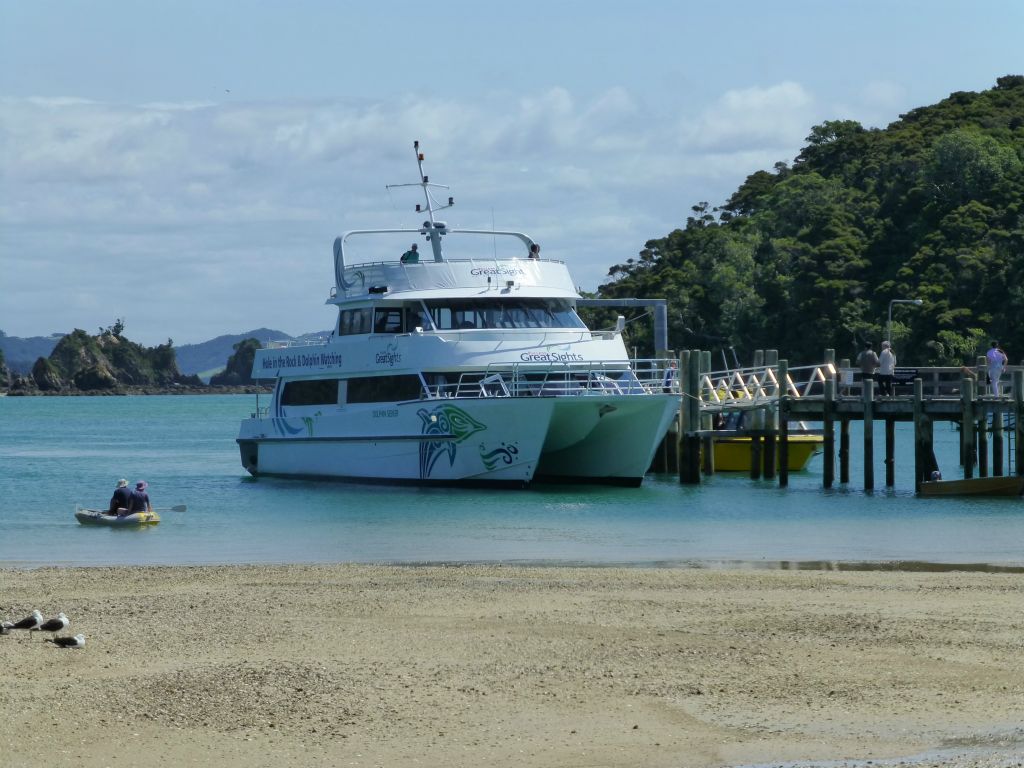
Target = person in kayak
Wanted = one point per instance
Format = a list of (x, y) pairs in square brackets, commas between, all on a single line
[(121, 498), (139, 500)]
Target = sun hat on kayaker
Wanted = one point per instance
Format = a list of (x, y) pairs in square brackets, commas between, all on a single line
[(122, 483), (140, 486)]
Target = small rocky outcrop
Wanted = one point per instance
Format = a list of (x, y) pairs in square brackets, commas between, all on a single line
[(239, 367), (105, 363), (46, 376)]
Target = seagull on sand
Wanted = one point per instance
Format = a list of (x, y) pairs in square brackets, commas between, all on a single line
[(53, 625), (78, 641), (29, 622)]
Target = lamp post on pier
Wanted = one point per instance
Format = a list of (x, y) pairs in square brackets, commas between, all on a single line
[(888, 332)]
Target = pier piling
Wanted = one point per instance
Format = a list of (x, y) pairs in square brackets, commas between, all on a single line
[(783, 374), (967, 426), (828, 424), (981, 429), (997, 444), (890, 452), (869, 434), (771, 418), (844, 450)]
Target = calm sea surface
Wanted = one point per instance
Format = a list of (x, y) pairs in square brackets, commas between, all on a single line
[(56, 452)]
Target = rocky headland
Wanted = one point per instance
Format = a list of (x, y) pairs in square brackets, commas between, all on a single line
[(110, 364)]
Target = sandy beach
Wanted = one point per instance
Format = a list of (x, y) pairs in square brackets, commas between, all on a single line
[(355, 665)]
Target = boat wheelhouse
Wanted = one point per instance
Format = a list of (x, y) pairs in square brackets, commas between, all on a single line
[(463, 369)]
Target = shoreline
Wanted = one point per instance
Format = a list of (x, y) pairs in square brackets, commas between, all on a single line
[(241, 389), (540, 666), (712, 565)]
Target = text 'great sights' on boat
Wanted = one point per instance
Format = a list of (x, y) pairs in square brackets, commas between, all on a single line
[(462, 368)]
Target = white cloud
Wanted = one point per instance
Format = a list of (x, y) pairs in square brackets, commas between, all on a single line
[(219, 217), (877, 104), (751, 118)]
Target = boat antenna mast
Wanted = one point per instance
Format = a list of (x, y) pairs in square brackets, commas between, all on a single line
[(433, 229)]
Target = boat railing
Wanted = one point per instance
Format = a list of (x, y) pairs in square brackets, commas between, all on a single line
[(429, 260), (609, 377), (314, 341)]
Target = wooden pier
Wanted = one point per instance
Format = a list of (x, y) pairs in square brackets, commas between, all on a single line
[(772, 397)]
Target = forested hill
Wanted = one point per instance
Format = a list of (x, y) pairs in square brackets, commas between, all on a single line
[(809, 255)]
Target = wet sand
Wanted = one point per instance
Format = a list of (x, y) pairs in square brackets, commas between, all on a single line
[(475, 665)]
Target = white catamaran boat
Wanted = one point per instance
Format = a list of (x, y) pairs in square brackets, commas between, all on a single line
[(458, 371)]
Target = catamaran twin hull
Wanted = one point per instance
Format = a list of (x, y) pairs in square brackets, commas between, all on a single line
[(472, 441)]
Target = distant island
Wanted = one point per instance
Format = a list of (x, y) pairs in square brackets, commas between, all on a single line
[(108, 363)]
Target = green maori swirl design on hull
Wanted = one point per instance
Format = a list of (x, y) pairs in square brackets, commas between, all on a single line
[(506, 453), (450, 422)]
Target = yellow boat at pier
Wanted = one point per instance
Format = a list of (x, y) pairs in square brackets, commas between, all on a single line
[(732, 454)]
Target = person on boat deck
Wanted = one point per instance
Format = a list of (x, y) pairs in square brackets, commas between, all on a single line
[(121, 498), (139, 499), (412, 256), (534, 251), (669, 379)]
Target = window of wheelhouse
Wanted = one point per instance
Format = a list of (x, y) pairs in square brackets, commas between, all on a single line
[(449, 314), (387, 320), (310, 392), (355, 321), (417, 317)]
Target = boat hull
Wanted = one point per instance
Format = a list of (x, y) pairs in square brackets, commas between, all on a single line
[(608, 440), (473, 441), (1011, 485), (98, 517), (732, 454), (504, 441)]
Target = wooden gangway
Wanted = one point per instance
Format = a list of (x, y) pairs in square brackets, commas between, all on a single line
[(773, 397)]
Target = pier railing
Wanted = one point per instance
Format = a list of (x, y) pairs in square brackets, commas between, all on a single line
[(759, 386)]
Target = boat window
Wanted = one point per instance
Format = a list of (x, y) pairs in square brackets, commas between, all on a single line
[(383, 389), (416, 317), (451, 314), (387, 320), (354, 321), (310, 392)]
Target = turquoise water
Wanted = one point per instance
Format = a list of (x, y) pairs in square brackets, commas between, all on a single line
[(56, 452)]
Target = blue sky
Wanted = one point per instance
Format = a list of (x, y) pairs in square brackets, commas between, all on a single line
[(186, 165)]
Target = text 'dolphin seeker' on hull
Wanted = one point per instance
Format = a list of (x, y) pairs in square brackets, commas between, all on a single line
[(467, 367)]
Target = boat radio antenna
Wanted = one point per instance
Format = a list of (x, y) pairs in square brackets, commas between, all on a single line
[(432, 228)]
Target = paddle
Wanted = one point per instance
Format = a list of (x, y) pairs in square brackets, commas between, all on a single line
[(179, 508)]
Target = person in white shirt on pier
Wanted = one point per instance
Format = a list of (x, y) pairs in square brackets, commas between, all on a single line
[(886, 369)]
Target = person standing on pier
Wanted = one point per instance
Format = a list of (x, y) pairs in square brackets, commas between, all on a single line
[(886, 369), (996, 362), (868, 362)]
